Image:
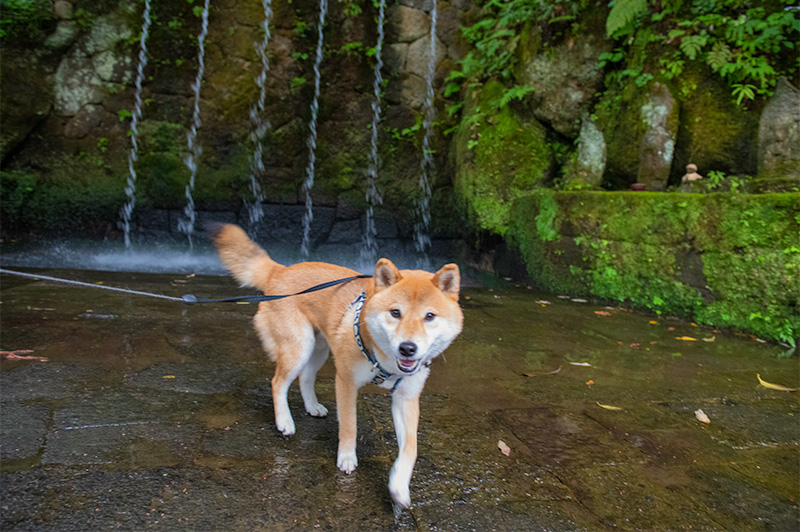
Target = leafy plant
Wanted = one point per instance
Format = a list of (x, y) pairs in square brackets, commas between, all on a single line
[(24, 18), (748, 45), (296, 84)]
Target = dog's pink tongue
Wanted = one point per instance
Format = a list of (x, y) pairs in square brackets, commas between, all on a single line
[(408, 363)]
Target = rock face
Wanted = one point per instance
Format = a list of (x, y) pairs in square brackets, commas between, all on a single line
[(566, 78), (714, 133), (659, 116), (589, 162), (498, 160), (779, 134)]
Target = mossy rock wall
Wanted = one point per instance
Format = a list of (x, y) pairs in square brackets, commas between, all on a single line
[(721, 259), (498, 159)]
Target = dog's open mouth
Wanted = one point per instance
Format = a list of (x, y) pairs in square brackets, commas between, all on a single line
[(406, 365)]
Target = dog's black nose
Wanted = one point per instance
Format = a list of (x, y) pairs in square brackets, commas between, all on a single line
[(408, 349)]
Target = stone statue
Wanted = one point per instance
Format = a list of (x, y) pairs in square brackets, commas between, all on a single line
[(690, 177)]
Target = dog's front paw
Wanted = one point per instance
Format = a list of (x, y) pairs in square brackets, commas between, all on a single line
[(317, 410), (347, 462), (285, 425), (401, 496), (399, 479)]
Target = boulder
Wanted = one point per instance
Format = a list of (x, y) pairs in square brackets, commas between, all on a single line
[(779, 134), (26, 97), (566, 78), (659, 115), (83, 122), (585, 169), (406, 24), (419, 53), (77, 84)]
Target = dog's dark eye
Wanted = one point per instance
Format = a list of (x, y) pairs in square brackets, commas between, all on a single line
[(429, 316), (395, 313)]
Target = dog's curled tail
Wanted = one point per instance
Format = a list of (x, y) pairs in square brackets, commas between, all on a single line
[(247, 261)]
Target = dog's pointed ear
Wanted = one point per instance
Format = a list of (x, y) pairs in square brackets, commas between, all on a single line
[(448, 280), (386, 274)]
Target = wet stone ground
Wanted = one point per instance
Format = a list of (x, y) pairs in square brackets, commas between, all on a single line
[(151, 415)]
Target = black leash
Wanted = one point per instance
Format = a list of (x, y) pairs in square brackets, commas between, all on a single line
[(189, 299)]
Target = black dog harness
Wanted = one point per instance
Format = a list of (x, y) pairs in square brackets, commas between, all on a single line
[(382, 375)]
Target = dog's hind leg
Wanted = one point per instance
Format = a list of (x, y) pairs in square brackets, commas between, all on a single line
[(308, 376), (292, 357)]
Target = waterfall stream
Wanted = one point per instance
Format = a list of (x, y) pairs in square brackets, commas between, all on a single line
[(369, 245), (130, 188), (260, 125), (422, 239), (195, 149), (308, 216)]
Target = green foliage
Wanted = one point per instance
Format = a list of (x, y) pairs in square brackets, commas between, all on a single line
[(623, 13), (494, 39), (296, 84), (749, 46), (24, 18), (300, 28), (351, 8)]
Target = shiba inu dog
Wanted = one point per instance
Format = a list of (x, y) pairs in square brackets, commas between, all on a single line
[(384, 330)]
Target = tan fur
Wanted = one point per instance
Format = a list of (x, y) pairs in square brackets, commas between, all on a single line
[(402, 308)]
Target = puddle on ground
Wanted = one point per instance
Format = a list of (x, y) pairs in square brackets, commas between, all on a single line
[(151, 414)]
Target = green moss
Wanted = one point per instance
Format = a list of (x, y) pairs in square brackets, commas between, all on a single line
[(721, 259), (498, 159), (80, 197)]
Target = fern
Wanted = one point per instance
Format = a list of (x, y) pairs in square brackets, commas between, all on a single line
[(719, 56), (692, 45), (517, 92), (622, 13)]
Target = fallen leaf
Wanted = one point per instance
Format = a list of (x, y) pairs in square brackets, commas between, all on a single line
[(584, 364), (608, 407), (543, 302), (676, 354), (505, 449), (546, 373), (671, 329), (168, 377), (19, 354), (652, 322), (578, 300), (766, 384), (635, 346), (710, 339), (602, 313), (686, 338), (701, 416), (589, 383)]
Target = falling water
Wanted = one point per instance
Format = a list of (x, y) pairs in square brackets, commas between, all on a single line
[(422, 239), (369, 245), (130, 189), (312, 137), (195, 150), (260, 125)]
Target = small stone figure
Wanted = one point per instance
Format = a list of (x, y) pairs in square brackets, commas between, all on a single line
[(690, 177)]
